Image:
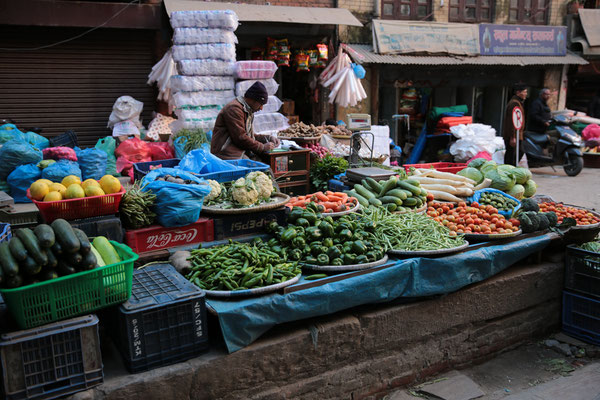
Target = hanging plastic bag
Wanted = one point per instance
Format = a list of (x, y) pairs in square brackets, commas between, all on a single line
[(92, 163), (37, 141), (59, 153), (20, 179), (161, 151), (108, 145), (201, 161), (179, 146), (57, 171), (15, 153), (10, 132), (176, 204)]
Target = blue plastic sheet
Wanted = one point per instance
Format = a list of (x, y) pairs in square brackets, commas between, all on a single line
[(201, 161), (92, 163), (245, 320), (15, 153), (57, 171), (176, 204), (20, 180)]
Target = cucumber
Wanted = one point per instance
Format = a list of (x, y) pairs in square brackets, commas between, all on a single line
[(30, 267), (419, 202), (73, 259), (32, 245), (14, 282), (373, 184), (413, 182), (391, 207), (360, 189), (63, 268), (99, 260), (399, 193), (57, 249), (423, 192), (391, 199), (362, 201), (48, 274), (407, 186), (410, 202), (84, 244), (9, 265), (88, 262), (52, 260), (375, 202), (45, 235), (387, 186), (107, 251), (17, 249), (65, 236)]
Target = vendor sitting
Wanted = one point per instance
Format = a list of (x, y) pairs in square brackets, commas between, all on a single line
[(233, 136)]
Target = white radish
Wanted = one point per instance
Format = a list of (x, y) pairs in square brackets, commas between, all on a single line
[(437, 181), (444, 196), (441, 188), (485, 184), (454, 177), (464, 192)]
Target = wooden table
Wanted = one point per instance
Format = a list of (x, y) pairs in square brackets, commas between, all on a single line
[(291, 170)]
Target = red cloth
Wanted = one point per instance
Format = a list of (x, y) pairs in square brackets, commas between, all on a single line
[(592, 131), (481, 154), (447, 122)]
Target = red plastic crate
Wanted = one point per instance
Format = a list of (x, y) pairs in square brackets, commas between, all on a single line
[(158, 237), (440, 166), (85, 207)]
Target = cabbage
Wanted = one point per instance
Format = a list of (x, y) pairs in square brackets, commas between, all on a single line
[(505, 168), (522, 174), (517, 191), (488, 166), (530, 188), (477, 163), (471, 173), (501, 181)]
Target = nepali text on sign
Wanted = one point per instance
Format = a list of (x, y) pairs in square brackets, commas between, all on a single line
[(522, 40)]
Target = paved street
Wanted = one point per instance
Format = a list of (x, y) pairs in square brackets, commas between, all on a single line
[(582, 189)]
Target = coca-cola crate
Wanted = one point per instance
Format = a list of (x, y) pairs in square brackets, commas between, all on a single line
[(158, 237), (246, 224)]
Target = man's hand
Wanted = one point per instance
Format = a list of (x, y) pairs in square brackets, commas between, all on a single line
[(275, 140), (547, 123), (269, 146)]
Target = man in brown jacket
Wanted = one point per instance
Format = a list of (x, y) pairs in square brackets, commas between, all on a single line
[(233, 137), (509, 133)]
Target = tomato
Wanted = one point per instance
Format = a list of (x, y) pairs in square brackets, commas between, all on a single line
[(462, 204), (475, 204), (445, 209)]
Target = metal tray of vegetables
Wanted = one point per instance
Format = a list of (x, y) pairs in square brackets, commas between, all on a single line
[(472, 237), (277, 200), (345, 268), (425, 253), (252, 292)]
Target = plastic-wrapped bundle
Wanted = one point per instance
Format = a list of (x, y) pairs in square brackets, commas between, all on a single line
[(223, 19), (270, 122), (205, 67), (198, 114), (185, 99), (273, 105), (203, 35), (181, 83), (270, 84), (255, 69), (218, 51), (206, 125)]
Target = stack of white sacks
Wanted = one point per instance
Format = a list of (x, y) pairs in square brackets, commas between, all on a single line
[(268, 121), (204, 50)]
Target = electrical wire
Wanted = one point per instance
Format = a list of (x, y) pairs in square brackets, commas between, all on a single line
[(74, 37)]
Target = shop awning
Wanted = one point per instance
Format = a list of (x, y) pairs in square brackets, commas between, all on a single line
[(364, 53), (589, 39), (263, 13)]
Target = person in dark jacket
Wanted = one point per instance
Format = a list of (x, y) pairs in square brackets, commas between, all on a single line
[(594, 107), (233, 136), (509, 133), (539, 113)]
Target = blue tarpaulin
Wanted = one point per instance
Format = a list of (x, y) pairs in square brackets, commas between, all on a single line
[(244, 320)]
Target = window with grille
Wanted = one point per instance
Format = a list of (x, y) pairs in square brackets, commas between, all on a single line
[(471, 10), (534, 12), (406, 9)]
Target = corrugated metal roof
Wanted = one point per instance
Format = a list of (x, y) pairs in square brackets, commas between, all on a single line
[(364, 53)]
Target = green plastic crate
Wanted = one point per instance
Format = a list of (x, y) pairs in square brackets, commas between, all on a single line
[(72, 295)]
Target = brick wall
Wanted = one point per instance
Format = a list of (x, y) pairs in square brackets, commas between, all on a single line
[(295, 3), (359, 6)]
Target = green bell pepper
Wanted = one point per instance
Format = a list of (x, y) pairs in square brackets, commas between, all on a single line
[(349, 258), (272, 242), (371, 256), (272, 227), (296, 213), (362, 259), (347, 247), (316, 250), (337, 261), (295, 255), (334, 252), (310, 260), (345, 234), (299, 242), (329, 220), (289, 234), (359, 247), (326, 228), (311, 217), (313, 233), (323, 259), (342, 226), (303, 222), (328, 242)]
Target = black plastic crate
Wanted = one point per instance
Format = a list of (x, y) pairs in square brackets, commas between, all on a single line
[(246, 224), (141, 169), (582, 271), (581, 317), (67, 139), (164, 321), (51, 361), (108, 226)]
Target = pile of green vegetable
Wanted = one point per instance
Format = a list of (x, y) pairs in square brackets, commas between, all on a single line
[(253, 189), (410, 231), (515, 181), (311, 238), (497, 200), (395, 194), (193, 138), (325, 169), (592, 246), (239, 266), (532, 220), (136, 207)]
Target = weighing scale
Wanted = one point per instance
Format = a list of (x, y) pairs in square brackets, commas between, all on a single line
[(358, 174), (360, 125)]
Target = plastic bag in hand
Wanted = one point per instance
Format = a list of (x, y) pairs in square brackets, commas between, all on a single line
[(15, 153), (57, 171), (202, 161), (92, 163), (176, 204), (20, 180)]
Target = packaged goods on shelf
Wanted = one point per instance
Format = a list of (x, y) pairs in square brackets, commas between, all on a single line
[(184, 99), (270, 122), (205, 124), (181, 83), (203, 35), (198, 114), (217, 51), (205, 67), (222, 19), (270, 84), (272, 106), (255, 69)]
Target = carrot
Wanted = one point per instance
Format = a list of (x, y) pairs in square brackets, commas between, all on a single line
[(329, 193), (299, 203), (353, 200), (301, 197), (336, 198), (321, 196), (341, 207), (329, 204)]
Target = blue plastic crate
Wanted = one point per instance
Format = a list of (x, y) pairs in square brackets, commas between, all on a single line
[(245, 167), (142, 168), (337, 186), (5, 232), (581, 317)]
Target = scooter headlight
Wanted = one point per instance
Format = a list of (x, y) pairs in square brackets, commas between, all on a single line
[(576, 140)]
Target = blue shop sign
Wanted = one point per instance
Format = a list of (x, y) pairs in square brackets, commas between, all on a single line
[(522, 40)]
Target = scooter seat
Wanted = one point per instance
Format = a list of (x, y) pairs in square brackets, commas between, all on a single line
[(537, 138)]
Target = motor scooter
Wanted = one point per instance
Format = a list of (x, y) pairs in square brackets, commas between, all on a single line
[(566, 152)]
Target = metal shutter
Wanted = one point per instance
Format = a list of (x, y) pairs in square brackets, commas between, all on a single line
[(73, 85)]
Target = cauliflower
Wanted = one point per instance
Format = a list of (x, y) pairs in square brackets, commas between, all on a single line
[(215, 190), (263, 183), (244, 192)]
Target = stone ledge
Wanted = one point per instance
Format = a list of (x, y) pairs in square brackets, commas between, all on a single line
[(364, 352)]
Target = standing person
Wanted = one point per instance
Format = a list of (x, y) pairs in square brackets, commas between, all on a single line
[(539, 113), (509, 133), (594, 107), (233, 136)]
